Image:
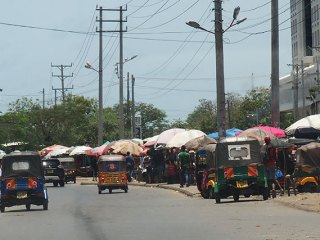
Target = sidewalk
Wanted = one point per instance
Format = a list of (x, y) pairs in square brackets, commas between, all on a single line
[(191, 191)]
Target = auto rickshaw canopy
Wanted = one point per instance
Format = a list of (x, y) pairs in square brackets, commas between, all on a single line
[(112, 163)]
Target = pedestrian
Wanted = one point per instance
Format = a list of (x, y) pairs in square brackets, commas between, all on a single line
[(269, 161), (172, 168), (130, 164), (184, 163), (94, 168), (192, 156)]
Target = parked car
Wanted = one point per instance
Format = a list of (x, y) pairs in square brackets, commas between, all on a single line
[(53, 171), (22, 181)]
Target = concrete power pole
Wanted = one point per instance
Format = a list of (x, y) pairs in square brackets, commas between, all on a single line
[(62, 77), (275, 109), (221, 110), (133, 123), (121, 21), (43, 99)]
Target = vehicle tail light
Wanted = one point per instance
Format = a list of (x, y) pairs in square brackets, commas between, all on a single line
[(253, 171), (10, 184), (228, 172), (32, 183)]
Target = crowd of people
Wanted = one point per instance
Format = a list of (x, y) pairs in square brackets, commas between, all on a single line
[(174, 165)]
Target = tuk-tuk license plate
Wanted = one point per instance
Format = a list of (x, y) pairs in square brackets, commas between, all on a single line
[(49, 171), (22, 195), (242, 184)]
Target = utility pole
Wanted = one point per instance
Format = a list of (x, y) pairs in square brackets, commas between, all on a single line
[(59, 89), (121, 21), (275, 109), (133, 120), (100, 72), (62, 77), (43, 100), (128, 107), (302, 92), (221, 110)]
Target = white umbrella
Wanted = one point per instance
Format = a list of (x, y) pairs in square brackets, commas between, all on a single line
[(312, 121), (57, 152), (166, 136), (183, 137), (79, 150), (151, 140)]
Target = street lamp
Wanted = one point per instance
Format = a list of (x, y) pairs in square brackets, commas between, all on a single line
[(221, 110), (100, 112)]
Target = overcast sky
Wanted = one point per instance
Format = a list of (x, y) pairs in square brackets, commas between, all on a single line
[(175, 66)]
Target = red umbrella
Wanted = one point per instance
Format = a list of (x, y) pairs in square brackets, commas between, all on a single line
[(275, 131)]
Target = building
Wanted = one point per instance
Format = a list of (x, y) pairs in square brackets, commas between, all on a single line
[(295, 88)]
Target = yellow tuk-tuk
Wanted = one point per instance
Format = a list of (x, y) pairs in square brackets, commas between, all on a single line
[(307, 173), (112, 173)]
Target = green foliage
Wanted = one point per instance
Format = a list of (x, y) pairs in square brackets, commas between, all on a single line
[(204, 117)]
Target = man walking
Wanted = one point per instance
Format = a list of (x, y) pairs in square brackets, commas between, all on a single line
[(184, 163)]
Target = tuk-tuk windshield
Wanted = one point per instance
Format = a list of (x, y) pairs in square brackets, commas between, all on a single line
[(68, 163), (236, 152), (112, 166), (21, 165)]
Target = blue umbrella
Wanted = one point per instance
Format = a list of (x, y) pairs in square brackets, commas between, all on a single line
[(229, 133)]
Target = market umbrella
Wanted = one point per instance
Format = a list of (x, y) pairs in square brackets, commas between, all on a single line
[(257, 133), (48, 149), (124, 146), (57, 152), (229, 133), (183, 137), (277, 132), (98, 151), (79, 150), (199, 142), (150, 141), (166, 136), (309, 125)]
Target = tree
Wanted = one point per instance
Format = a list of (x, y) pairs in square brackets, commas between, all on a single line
[(204, 117), (255, 108)]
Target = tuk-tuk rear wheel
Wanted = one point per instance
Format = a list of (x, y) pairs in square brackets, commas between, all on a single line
[(2, 208), (28, 206), (218, 198), (265, 193), (110, 190), (236, 196)]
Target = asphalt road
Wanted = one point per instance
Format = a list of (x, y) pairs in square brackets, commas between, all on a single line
[(78, 212)]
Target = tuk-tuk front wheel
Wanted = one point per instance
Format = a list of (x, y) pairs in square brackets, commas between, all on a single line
[(236, 195), (45, 206), (126, 189)]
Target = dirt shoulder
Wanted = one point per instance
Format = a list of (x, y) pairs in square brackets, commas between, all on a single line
[(303, 201)]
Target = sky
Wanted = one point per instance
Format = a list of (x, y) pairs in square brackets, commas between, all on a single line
[(175, 64)]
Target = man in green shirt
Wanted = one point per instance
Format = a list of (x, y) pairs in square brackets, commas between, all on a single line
[(183, 164)]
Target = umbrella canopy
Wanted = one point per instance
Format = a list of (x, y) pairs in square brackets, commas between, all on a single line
[(257, 133), (199, 142), (277, 132), (79, 150), (183, 137), (137, 140), (46, 150), (57, 152), (124, 146), (150, 141), (166, 136), (310, 122), (98, 151), (229, 133)]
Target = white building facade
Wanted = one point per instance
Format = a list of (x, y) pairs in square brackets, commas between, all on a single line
[(305, 41)]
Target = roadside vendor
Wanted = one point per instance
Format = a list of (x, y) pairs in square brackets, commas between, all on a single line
[(269, 160)]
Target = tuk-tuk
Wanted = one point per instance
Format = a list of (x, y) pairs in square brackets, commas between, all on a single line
[(69, 166), (239, 169), (306, 176), (205, 170), (22, 181), (112, 173)]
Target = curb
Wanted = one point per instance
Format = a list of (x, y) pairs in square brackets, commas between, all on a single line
[(168, 187)]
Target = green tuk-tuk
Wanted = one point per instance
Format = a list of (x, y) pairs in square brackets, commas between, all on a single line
[(239, 169)]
